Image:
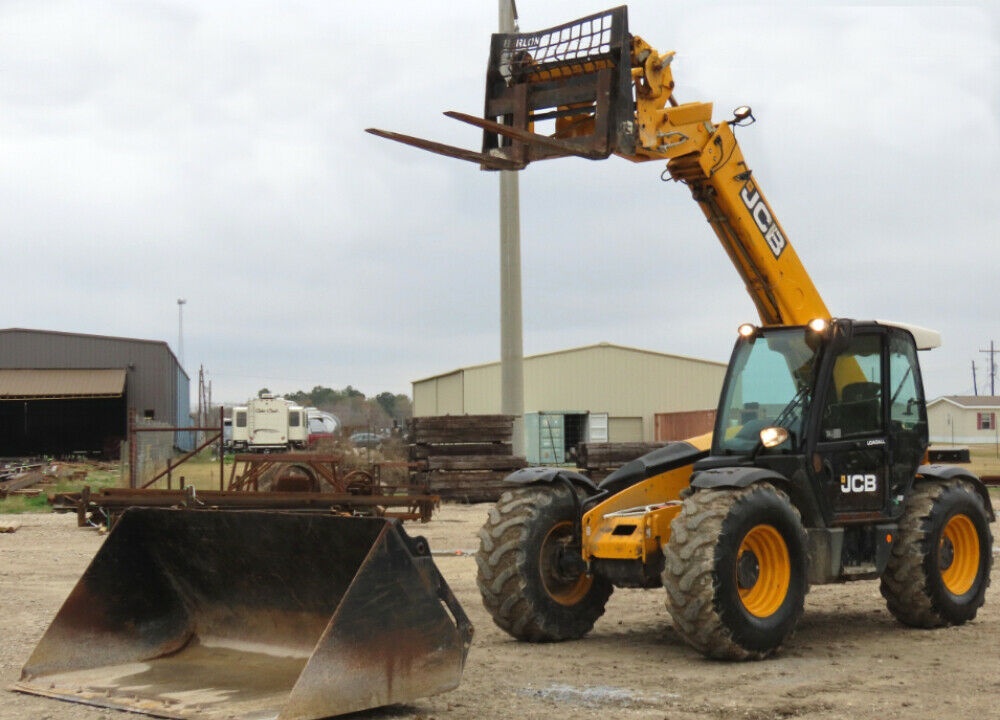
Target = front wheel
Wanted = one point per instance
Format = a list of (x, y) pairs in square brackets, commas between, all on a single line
[(531, 578), (939, 567), (736, 571)]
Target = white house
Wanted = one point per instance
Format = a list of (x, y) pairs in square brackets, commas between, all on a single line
[(963, 419)]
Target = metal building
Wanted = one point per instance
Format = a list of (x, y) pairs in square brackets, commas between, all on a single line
[(68, 392), (631, 387)]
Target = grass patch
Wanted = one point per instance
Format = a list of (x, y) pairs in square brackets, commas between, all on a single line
[(202, 471), (985, 460), (20, 504)]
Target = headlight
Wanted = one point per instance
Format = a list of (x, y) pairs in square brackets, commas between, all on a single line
[(771, 437), (818, 325), (747, 330)]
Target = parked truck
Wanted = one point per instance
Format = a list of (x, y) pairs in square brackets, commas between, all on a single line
[(322, 426)]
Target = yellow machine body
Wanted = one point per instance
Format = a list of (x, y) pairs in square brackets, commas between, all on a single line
[(609, 92)]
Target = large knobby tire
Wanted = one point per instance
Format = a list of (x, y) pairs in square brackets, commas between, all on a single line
[(519, 577), (736, 571), (939, 567)]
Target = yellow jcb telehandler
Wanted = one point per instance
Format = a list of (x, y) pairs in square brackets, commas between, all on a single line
[(816, 471)]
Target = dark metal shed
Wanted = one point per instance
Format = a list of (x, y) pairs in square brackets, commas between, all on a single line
[(67, 392)]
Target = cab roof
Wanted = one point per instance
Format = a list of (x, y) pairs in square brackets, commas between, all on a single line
[(925, 338)]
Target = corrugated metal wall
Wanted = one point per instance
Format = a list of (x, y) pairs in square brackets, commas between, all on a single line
[(442, 395), (624, 382), (154, 380), (683, 425)]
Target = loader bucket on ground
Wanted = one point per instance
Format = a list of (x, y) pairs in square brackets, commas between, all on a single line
[(202, 613)]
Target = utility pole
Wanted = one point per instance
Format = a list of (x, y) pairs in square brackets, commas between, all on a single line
[(975, 387), (511, 326), (991, 368), (180, 331), (201, 398)]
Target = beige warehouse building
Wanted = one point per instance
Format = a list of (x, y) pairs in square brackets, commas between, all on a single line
[(644, 395)]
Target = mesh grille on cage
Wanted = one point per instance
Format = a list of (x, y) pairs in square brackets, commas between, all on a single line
[(583, 46)]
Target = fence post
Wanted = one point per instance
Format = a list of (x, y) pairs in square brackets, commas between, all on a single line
[(132, 453), (222, 447)]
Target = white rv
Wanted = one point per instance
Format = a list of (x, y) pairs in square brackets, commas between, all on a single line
[(269, 423)]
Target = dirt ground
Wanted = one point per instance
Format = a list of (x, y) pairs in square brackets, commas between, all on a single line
[(849, 658)]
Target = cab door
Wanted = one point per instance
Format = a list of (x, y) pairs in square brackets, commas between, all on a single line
[(907, 416), (852, 453)]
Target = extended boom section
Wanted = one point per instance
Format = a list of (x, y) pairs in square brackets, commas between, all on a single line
[(591, 89)]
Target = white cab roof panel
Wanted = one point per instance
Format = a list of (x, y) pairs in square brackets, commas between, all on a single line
[(925, 338)]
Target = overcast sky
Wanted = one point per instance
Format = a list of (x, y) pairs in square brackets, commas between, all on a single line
[(215, 152)]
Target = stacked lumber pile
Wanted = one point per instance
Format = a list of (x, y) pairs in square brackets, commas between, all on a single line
[(18, 479), (462, 458), (598, 460)]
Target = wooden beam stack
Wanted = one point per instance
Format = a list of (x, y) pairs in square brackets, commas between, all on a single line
[(463, 458), (598, 460)]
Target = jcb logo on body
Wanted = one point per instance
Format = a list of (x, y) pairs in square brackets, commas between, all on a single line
[(858, 483), (763, 218)]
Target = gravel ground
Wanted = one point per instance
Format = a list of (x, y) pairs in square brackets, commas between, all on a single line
[(849, 659)]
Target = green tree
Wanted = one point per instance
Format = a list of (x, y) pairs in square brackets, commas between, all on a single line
[(354, 409)]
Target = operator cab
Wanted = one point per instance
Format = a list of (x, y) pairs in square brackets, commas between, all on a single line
[(838, 405)]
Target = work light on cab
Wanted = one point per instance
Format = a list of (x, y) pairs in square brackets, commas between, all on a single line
[(818, 325), (772, 437)]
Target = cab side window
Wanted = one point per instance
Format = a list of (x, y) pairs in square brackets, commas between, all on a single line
[(906, 406), (854, 401)]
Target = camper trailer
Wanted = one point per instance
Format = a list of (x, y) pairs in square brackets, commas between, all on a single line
[(269, 423)]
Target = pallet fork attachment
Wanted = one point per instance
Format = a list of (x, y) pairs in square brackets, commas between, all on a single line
[(221, 614), (577, 75)]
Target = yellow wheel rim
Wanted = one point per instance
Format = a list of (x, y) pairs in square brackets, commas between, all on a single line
[(958, 554), (763, 570), (564, 589)]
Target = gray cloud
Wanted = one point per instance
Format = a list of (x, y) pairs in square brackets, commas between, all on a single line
[(172, 149)]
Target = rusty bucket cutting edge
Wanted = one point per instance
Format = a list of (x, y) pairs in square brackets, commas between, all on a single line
[(203, 614)]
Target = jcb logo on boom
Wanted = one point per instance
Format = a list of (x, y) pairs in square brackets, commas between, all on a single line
[(858, 483), (764, 219)]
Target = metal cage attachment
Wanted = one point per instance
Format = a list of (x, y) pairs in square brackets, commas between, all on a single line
[(552, 93)]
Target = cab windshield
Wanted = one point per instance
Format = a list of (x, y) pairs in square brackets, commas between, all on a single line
[(770, 384)]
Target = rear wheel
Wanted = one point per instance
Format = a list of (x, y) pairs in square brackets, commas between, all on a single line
[(530, 575), (939, 567), (736, 571)]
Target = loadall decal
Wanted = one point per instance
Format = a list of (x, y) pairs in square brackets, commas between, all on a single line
[(867, 483), (764, 219)]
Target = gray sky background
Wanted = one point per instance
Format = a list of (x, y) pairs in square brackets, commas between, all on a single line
[(215, 152)]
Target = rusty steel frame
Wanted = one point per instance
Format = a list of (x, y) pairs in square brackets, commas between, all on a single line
[(133, 428), (112, 502), (345, 495), (359, 492), (324, 465)]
